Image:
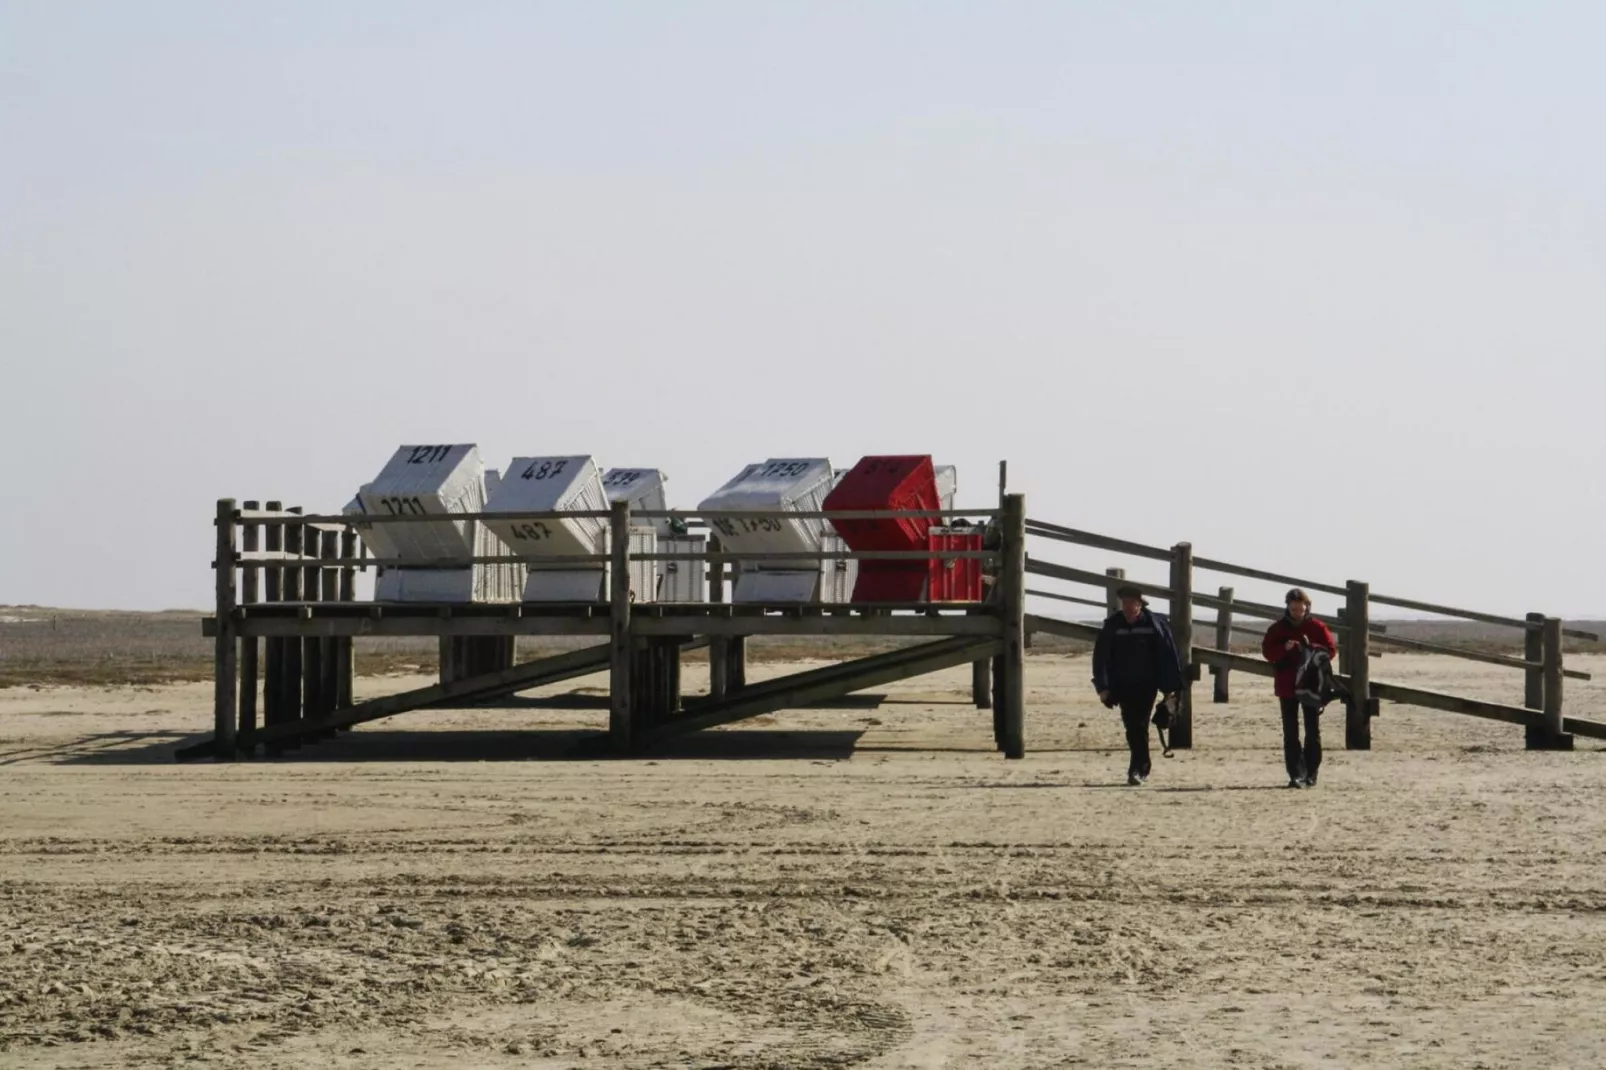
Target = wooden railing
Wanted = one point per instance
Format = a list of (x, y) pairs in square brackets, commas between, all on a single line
[(285, 556), (620, 517), (1541, 662)]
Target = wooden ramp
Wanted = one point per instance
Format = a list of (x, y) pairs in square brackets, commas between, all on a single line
[(1070, 629), (466, 691), (1405, 696), (1350, 610), (829, 682)]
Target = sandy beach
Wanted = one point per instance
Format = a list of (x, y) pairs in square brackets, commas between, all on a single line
[(868, 886)]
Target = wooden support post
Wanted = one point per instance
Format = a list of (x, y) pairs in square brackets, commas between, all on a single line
[(250, 594), (999, 703), (999, 687), (1550, 734), (641, 685), (348, 573), (658, 699), (329, 575), (1117, 577), (985, 673), (312, 704), (716, 644), (646, 685), (1182, 629), (619, 698), (463, 656), (1341, 639), (1012, 584), (1358, 619), (657, 677), (345, 659), (1222, 691), (226, 669), (1533, 690), (735, 663), (668, 684), (1533, 651), (328, 656), (273, 690), (506, 653), (293, 682), (446, 659), (673, 654), (1551, 644), (981, 683)]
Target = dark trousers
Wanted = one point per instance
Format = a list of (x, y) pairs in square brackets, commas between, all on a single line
[(1303, 761), (1135, 713)]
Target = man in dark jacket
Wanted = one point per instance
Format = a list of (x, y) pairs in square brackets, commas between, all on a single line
[(1135, 660), (1285, 645)]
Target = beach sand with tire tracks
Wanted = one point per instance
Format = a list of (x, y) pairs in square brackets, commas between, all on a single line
[(870, 886)]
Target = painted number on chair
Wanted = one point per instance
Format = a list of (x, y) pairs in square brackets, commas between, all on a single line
[(544, 469), (428, 454), (783, 470), (732, 526), (530, 531)]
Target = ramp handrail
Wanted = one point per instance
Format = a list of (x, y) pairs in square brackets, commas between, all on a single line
[(1541, 659)]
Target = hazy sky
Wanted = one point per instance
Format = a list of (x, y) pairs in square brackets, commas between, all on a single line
[(1318, 287)]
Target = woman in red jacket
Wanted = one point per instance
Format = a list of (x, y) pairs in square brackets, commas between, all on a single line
[(1282, 647)]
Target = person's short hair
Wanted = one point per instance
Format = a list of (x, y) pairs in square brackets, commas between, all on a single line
[(1126, 590), (1296, 594)]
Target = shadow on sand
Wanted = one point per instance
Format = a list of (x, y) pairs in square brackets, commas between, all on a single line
[(386, 741), (373, 744)]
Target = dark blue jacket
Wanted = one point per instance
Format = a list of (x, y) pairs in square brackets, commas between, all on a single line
[(1131, 659)]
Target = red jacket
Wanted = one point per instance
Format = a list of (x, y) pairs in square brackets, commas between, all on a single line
[(1274, 647)]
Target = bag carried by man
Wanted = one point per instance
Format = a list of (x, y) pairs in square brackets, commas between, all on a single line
[(1163, 712)]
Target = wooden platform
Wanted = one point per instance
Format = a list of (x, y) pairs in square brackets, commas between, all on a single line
[(308, 620)]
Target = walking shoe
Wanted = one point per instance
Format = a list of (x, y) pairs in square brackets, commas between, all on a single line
[(1310, 781), (1296, 783), (1133, 780)]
